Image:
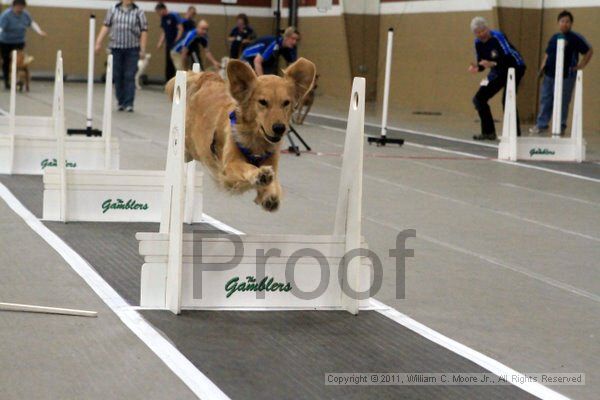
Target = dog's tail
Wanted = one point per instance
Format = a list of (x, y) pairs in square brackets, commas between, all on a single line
[(195, 80)]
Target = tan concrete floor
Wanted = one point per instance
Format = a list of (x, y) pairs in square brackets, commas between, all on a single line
[(506, 258)]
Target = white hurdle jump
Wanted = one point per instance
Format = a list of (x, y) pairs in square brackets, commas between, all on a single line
[(109, 195), (273, 270), (555, 148), (32, 153)]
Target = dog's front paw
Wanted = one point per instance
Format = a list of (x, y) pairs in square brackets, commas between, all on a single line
[(265, 176), (271, 203)]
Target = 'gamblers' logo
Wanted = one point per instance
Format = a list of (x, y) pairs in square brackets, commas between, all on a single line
[(119, 204), (267, 284), (53, 163), (539, 151)]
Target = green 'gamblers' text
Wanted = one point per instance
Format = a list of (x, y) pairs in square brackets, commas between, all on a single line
[(267, 284), (535, 151), (53, 163), (119, 204)]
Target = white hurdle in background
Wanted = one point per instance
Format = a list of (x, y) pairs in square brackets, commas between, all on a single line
[(555, 148), (31, 153), (173, 279), (105, 194)]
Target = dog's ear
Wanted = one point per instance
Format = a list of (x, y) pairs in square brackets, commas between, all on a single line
[(241, 80), (302, 73)]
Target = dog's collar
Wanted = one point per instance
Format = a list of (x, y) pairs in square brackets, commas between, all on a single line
[(254, 159)]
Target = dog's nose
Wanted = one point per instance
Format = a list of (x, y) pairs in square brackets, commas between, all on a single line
[(278, 129)]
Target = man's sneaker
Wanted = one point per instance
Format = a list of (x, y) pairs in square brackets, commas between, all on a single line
[(537, 130), (121, 108), (129, 108), (485, 136)]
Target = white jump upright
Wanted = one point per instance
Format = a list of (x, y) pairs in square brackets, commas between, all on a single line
[(90, 75), (191, 178), (558, 88), (555, 148), (108, 194), (257, 272)]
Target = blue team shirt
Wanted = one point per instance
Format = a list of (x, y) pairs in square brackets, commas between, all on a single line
[(269, 47), (185, 41), (575, 44), (14, 26), (169, 23), (501, 51)]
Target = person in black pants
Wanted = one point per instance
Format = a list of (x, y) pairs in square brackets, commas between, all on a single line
[(495, 52), (172, 26)]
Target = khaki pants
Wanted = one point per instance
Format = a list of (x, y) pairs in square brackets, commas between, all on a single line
[(177, 60)]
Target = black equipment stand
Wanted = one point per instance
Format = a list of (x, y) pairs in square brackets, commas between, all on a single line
[(293, 147)]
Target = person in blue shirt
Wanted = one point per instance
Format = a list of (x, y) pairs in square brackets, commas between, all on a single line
[(172, 26), (14, 22), (495, 52), (191, 50), (575, 44), (189, 22), (264, 53), (241, 35)]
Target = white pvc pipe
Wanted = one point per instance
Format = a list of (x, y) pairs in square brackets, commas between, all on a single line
[(107, 116), (558, 87), (577, 124), (190, 181), (90, 77), (59, 128), (12, 111), (46, 310), (386, 82)]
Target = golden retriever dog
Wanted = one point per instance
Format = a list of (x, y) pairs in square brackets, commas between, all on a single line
[(235, 131)]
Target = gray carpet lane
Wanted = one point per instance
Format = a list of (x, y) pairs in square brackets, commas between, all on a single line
[(282, 355)]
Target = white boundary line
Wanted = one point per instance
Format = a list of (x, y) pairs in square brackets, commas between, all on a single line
[(451, 139), (478, 358), (198, 383)]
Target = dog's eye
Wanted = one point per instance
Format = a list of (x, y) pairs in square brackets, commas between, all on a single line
[(263, 102), (286, 103)]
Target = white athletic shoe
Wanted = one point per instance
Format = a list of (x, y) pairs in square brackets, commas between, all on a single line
[(129, 108), (537, 131)]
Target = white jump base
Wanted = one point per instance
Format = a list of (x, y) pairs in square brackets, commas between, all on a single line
[(217, 282), (33, 154), (174, 278), (532, 148), (111, 196), (28, 125)]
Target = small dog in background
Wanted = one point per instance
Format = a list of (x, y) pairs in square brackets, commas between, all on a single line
[(305, 105), (23, 75), (142, 67)]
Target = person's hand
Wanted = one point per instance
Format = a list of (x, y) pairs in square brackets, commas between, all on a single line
[(142, 54), (98, 47), (217, 66), (487, 64), (43, 34), (159, 45), (473, 68)]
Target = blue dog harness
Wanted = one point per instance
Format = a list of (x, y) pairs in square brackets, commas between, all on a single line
[(254, 159)]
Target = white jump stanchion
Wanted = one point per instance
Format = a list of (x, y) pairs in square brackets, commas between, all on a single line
[(273, 272), (553, 148), (107, 194), (558, 88), (383, 139), (188, 215), (509, 124), (59, 124), (107, 114), (90, 73), (577, 123), (13, 110)]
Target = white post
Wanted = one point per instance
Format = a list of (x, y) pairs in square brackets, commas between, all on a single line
[(12, 113), (558, 88), (107, 116), (59, 129), (46, 310), (349, 205), (173, 196), (577, 124), (190, 184), (509, 124), (90, 77), (386, 82)]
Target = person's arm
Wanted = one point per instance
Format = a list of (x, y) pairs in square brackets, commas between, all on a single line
[(212, 59), (586, 59), (543, 66), (103, 32), (258, 67), (143, 42), (161, 40), (179, 32), (475, 67), (36, 28)]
